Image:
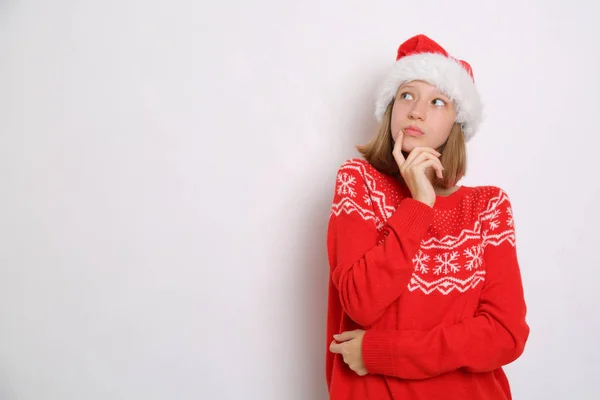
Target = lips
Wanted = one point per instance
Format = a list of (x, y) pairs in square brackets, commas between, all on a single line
[(413, 131)]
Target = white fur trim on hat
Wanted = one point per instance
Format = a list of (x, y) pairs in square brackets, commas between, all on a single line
[(445, 73)]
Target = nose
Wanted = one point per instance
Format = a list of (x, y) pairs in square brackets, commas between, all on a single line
[(418, 110)]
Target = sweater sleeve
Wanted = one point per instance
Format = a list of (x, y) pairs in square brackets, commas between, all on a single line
[(370, 267), (493, 337)]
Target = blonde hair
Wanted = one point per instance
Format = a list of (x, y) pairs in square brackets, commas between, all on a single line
[(378, 152)]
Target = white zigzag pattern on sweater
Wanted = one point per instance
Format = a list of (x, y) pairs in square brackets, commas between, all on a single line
[(348, 205), (447, 284), (497, 240), (450, 242)]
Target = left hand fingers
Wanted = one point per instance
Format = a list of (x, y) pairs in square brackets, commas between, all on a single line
[(345, 336), (359, 368), (350, 355), (335, 347)]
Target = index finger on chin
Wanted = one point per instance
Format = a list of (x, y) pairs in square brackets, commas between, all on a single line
[(398, 148)]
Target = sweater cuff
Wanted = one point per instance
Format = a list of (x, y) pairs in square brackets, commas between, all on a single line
[(412, 218), (378, 353)]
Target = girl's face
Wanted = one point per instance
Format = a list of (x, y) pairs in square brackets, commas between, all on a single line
[(424, 113)]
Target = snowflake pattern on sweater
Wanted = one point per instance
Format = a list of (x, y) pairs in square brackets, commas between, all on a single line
[(451, 255)]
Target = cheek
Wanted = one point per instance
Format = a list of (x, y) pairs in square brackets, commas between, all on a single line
[(449, 121), (442, 132), (395, 122)]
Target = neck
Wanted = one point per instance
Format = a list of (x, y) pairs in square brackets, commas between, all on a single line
[(443, 191)]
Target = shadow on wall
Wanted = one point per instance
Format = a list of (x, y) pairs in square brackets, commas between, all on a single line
[(356, 126), (315, 282)]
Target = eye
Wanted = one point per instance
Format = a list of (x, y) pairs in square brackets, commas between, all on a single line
[(438, 102), (406, 96)]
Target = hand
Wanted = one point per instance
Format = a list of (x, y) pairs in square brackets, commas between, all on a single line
[(350, 349), (414, 170)]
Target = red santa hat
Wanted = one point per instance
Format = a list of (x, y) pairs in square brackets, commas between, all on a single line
[(420, 58)]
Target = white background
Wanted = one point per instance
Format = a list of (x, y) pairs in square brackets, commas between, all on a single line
[(166, 172)]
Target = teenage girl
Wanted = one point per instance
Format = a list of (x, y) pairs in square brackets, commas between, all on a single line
[(425, 293)]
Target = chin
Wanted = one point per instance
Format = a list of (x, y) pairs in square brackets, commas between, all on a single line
[(410, 143), (407, 148)]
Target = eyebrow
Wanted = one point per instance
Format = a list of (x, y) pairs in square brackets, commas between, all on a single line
[(410, 85)]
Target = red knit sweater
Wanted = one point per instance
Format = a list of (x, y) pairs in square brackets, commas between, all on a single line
[(438, 290)]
